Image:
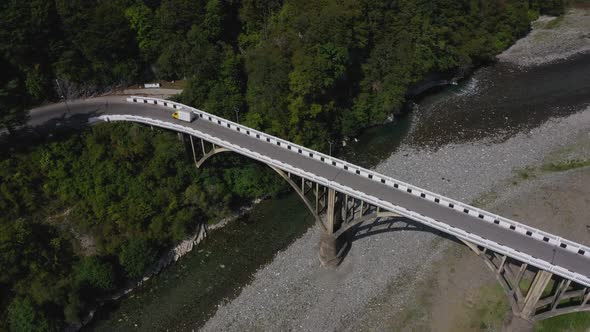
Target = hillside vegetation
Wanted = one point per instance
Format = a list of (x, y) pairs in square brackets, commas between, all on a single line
[(304, 70), (308, 71), (131, 190)]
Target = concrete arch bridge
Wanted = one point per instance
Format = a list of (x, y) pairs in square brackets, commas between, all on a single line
[(543, 274)]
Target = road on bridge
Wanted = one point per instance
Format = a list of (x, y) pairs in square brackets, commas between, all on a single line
[(118, 106)]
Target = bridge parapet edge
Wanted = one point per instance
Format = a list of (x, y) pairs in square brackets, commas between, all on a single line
[(395, 184)]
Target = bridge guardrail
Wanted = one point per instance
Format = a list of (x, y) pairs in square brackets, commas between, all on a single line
[(368, 198), (388, 181)]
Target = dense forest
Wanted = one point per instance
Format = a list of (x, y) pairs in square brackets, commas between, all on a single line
[(76, 223), (303, 70), (83, 214)]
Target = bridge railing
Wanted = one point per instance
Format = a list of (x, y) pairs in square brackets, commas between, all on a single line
[(476, 213)]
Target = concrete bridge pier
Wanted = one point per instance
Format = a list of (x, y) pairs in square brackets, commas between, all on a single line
[(330, 252), (330, 247), (342, 214)]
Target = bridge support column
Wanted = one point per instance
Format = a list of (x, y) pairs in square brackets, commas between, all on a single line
[(333, 216), (535, 292), (343, 213), (329, 251), (194, 153), (542, 299)]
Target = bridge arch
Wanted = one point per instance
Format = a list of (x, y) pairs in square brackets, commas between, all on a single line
[(214, 150), (316, 207)]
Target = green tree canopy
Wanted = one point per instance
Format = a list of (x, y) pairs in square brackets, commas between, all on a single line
[(136, 256), (95, 273), (13, 99), (23, 317)]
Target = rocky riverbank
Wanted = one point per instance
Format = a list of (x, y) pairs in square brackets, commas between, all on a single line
[(172, 255), (552, 39)]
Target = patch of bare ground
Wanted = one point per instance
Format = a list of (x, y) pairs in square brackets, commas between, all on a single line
[(154, 93), (466, 297), (166, 90), (552, 39), (84, 244)]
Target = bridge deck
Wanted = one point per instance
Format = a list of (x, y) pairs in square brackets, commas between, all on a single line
[(468, 223)]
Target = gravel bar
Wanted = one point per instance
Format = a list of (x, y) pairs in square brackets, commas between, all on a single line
[(552, 39)]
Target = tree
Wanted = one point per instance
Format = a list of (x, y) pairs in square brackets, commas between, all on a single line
[(99, 40), (226, 93), (28, 31), (185, 222), (268, 85), (13, 103), (110, 45), (14, 237), (23, 317), (95, 273), (178, 16), (73, 307), (550, 7), (136, 256), (141, 18)]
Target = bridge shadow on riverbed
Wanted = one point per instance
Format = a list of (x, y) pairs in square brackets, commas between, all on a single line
[(386, 225)]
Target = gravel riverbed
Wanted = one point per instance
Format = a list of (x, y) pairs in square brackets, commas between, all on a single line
[(552, 39), (294, 293), (464, 171)]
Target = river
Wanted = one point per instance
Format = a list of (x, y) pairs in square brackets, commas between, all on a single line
[(494, 103)]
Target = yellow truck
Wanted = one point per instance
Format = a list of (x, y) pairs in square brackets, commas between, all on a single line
[(183, 115)]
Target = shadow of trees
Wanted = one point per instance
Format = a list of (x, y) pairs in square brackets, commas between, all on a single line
[(57, 129)]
